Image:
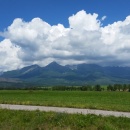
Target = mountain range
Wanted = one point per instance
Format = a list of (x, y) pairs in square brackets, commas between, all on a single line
[(55, 74)]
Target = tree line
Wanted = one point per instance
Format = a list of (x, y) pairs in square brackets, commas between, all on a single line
[(119, 87), (78, 88), (115, 87)]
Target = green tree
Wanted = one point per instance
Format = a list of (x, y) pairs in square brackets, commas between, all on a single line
[(97, 87), (124, 88), (110, 87)]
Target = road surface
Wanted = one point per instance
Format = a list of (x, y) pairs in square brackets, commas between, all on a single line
[(65, 110)]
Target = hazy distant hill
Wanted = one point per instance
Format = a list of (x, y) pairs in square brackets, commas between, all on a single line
[(55, 74)]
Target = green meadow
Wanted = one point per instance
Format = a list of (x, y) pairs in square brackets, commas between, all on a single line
[(117, 101), (36, 120)]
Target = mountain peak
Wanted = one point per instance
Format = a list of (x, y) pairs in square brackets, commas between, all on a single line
[(53, 64)]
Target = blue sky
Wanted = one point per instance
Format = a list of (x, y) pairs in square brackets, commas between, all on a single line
[(58, 11), (65, 31)]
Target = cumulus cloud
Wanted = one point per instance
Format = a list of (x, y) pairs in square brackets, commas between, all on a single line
[(84, 41), (83, 21), (8, 56)]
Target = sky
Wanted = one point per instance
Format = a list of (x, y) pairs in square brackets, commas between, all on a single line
[(65, 31)]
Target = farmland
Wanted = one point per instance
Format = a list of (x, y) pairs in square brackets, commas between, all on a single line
[(117, 101)]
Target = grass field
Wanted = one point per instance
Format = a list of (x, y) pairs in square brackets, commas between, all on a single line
[(36, 120), (118, 101)]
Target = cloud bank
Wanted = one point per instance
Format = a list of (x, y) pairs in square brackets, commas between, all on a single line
[(84, 41)]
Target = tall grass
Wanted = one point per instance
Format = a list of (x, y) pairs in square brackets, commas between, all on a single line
[(36, 120)]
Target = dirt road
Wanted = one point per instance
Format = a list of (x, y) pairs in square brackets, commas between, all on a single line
[(65, 110)]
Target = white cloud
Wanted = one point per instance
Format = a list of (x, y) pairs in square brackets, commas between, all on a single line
[(103, 18), (8, 56), (85, 41), (84, 21)]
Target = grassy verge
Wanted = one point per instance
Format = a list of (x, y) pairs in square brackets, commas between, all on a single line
[(36, 120), (118, 101)]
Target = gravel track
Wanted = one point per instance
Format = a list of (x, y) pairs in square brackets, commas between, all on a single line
[(65, 110)]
